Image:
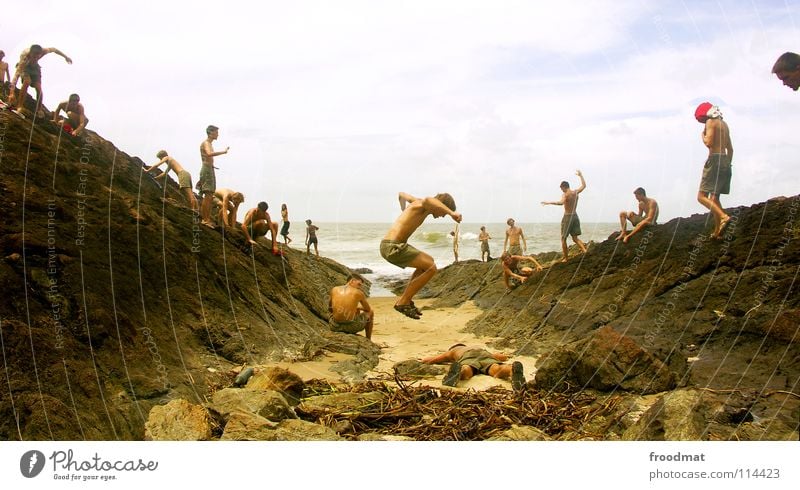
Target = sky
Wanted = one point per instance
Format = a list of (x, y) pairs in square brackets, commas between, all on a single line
[(335, 107)]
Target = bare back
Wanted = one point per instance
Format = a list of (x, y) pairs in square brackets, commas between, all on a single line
[(173, 165), (717, 137), (345, 302), (570, 201), (408, 222)]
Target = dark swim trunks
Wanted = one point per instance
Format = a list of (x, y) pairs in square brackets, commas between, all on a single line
[(570, 226), (32, 73), (716, 177), (285, 228)]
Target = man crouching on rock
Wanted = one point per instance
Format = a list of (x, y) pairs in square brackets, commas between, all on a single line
[(469, 361), (350, 312)]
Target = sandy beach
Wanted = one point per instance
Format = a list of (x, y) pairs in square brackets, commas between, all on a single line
[(402, 338)]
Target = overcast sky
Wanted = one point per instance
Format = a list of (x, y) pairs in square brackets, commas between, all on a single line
[(334, 107)]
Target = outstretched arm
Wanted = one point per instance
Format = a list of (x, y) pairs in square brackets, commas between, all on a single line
[(554, 203), (59, 107), (58, 52), (153, 167)]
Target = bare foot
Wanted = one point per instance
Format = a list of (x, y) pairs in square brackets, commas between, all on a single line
[(564, 260), (620, 236)]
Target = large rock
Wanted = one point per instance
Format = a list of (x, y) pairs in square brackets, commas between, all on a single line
[(278, 379), (178, 420), (606, 360), (521, 433), (300, 430), (415, 368), (678, 416), (247, 426), (342, 402), (266, 403)]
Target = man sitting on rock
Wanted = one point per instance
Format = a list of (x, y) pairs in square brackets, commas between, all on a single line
[(469, 361), (257, 223), (350, 312), (513, 274)]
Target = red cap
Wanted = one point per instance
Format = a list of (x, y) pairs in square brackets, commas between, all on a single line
[(701, 113)]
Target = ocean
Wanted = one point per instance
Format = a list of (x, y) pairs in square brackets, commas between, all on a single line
[(356, 244)]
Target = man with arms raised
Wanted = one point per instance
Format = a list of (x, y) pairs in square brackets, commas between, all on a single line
[(396, 250), (350, 312), (570, 223), (648, 214)]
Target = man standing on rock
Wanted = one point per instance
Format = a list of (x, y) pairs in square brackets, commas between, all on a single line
[(717, 171), (648, 214), (570, 223), (469, 361), (30, 72), (484, 238), (395, 249), (350, 312), (208, 179), (513, 235), (787, 69)]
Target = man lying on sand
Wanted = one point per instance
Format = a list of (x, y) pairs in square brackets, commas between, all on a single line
[(513, 273), (647, 215), (350, 312), (396, 250), (469, 361)]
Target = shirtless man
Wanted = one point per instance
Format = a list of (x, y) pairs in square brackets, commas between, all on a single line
[(717, 171), (395, 249), (311, 237), (229, 206), (513, 235), (466, 362), (208, 179), (484, 238), (4, 75), (570, 223), (31, 73), (648, 215), (350, 312), (512, 270), (455, 234), (257, 223), (184, 177), (787, 69), (76, 119)]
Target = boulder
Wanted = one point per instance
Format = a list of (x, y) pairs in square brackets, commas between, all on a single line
[(414, 368), (283, 381), (266, 403), (178, 420), (680, 415), (606, 361), (300, 430), (247, 426)]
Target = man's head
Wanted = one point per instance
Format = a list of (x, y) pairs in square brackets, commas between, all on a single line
[(35, 51), (640, 194), (2, 54), (447, 200), (355, 280), (74, 98), (238, 198), (564, 185), (161, 154), (308, 221), (212, 131), (483, 228), (262, 206), (787, 69), (510, 221), (456, 345)]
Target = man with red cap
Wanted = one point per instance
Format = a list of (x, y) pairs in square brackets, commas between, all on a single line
[(716, 177)]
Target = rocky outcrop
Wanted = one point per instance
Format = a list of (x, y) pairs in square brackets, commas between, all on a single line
[(178, 420), (606, 361), (283, 381), (521, 433), (264, 403)]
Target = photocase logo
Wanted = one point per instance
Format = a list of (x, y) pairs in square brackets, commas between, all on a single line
[(31, 464)]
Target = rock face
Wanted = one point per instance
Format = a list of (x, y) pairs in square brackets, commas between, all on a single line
[(522, 433), (178, 420), (150, 286), (605, 361)]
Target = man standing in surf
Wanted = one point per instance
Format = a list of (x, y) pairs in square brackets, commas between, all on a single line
[(396, 250), (716, 177)]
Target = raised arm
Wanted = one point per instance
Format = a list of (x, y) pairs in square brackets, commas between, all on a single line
[(433, 205), (404, 199), (583, 182)]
